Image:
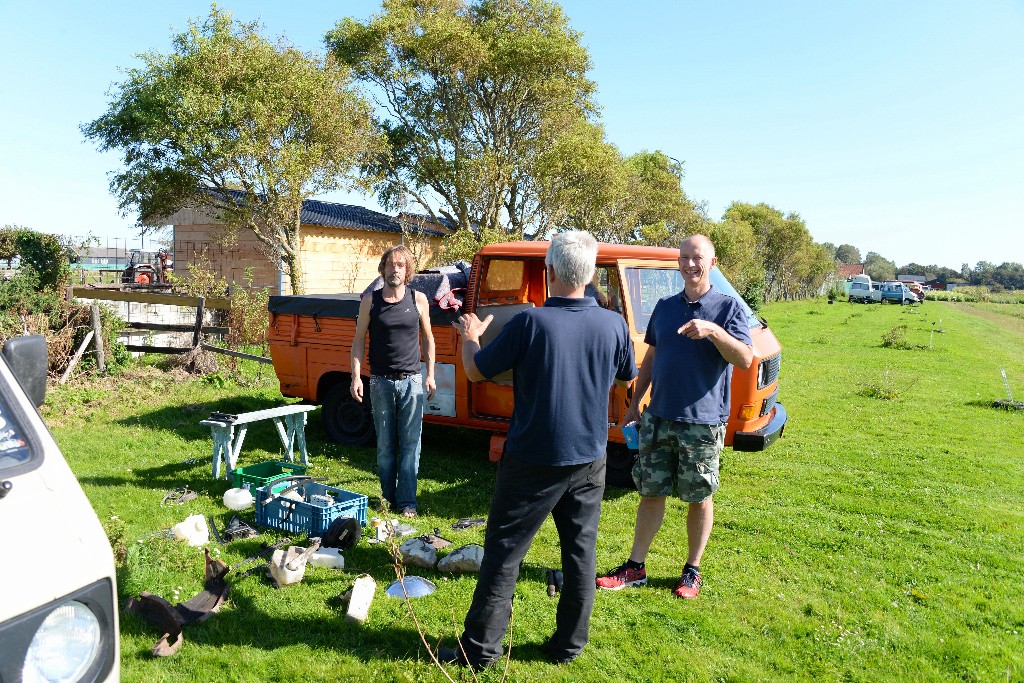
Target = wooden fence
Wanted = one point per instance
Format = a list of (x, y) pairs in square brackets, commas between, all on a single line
[(198, 329)]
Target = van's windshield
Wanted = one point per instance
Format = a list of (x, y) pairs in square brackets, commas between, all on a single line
[(14, 449), (648, 285)]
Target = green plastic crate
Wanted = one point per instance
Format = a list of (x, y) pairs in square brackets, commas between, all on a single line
[(265, 474)]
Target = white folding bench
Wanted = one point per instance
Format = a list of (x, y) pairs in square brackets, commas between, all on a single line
[(290, 421)]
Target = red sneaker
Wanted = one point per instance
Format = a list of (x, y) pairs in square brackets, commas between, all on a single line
[(622, 577), (689, 584)]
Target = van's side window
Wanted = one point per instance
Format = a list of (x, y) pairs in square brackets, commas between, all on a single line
[(504, 276), (605, 288), (13, 448)]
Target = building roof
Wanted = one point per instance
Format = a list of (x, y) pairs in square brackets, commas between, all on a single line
[(911, 278), (92, 251), (425, 219), (314, 212), (848, 270), (317, 212)]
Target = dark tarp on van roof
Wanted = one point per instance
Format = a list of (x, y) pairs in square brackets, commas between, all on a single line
[(338, 306)]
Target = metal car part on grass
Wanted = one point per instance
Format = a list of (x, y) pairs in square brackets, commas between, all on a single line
[(414, 587)]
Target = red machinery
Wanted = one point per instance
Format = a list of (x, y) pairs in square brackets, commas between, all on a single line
[(147, 267)]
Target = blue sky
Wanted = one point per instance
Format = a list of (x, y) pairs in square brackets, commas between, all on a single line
[(897, 127)]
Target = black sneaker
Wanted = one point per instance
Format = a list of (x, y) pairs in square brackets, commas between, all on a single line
[(454, 655), (557, 656)]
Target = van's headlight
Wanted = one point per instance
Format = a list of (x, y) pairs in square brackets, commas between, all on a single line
[(67, 644), (70, 639)]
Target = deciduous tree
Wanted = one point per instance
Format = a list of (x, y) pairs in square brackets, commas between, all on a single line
[(794, 265), (475, 100), (636, 200), (236, 125), (8, 243), (847, 253), (878, 267), (736, 249)]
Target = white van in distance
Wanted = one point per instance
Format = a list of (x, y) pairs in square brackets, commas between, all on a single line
[(862, 290)]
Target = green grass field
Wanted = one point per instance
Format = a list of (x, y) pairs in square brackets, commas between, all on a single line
[(880, 539)]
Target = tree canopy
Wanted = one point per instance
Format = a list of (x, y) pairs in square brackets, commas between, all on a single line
[(878, 267), (847, 253), (633, 200), (236, 125), (481, 104), (8, 243), (794, 265), (1007, 275), (736, 250)]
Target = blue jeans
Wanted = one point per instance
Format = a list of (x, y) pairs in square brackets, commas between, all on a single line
[(524, 495), (398, 418)]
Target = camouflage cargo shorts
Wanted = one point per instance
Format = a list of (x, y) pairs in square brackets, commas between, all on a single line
[(681, 455)]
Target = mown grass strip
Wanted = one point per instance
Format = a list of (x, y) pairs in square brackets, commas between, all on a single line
[(879, 539)]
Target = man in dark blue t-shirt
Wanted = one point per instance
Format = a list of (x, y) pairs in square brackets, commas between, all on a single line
[(564, 357), (694, 339)]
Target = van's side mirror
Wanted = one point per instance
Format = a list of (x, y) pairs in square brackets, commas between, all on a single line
[(26, 357)]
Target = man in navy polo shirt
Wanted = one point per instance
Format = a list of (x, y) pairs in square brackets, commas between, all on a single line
[(564, 357), (694, 339)]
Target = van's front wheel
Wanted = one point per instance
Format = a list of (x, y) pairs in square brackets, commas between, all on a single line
[(346, 420), (619, 466)]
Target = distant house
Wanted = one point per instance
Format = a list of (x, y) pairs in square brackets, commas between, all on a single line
[(91, 256), (340, 247), (912, 278), (848, 270)]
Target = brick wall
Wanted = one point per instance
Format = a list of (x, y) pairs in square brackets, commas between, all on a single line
[(333, 259)]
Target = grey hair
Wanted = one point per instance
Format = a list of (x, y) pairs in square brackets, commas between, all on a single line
[(572, 255)]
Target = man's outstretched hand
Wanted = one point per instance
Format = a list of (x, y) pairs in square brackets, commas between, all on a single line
[(471, 327)]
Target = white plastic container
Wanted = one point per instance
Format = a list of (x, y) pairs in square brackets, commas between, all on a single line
[(363, 591), (193, 530), (328, 557), (238, 499)]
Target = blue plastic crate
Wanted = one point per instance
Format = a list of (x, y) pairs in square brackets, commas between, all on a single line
[(305, 516)]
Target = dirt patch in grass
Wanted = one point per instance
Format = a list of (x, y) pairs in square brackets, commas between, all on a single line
[(197, 362)]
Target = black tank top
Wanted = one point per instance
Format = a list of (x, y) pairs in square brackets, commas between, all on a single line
[(394, 334)]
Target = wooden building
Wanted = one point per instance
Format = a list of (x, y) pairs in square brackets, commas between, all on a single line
[(340, 247)]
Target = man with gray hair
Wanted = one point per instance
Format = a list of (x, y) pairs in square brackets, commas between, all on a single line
[(564, 357)]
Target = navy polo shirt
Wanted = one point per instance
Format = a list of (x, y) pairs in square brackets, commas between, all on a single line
[(564, 358), (690, 379)]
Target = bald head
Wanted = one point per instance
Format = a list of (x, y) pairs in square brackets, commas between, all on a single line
[(702, 242), (696, 259)]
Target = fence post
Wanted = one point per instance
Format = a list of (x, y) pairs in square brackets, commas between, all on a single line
[(197, 334), (101, 361), (77, 357)]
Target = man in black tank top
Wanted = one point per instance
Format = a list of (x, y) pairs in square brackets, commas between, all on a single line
[(395, 316)]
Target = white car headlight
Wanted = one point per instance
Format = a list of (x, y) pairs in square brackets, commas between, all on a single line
[(66, 644)]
